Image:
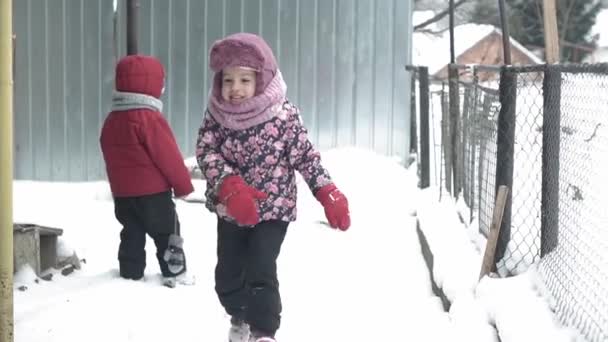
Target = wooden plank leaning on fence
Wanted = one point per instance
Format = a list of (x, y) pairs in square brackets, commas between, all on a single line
[(499, 208)]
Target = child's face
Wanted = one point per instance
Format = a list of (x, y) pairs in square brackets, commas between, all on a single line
[(238, 84)]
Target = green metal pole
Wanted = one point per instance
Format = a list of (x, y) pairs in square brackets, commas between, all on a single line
[(6, 171)]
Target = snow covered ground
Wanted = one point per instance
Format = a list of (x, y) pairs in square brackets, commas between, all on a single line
[(520, 307), (369, 283)]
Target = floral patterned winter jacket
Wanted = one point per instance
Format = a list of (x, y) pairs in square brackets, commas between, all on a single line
[(266, 156)]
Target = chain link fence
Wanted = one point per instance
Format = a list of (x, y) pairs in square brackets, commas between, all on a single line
[(542, 131), (574, 262)]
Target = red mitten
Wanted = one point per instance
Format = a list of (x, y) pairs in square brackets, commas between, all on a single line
[(336, 206), (240, 200)]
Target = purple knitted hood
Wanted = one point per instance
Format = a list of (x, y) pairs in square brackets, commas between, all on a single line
[(244, 50), (251, 51)]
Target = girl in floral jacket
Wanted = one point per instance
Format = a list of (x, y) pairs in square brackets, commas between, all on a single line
[(249, 146)]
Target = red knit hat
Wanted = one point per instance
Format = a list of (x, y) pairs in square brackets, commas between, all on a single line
[(140, 74)]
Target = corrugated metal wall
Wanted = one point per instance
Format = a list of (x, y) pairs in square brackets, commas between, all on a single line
[(63, 82), (342, 60)]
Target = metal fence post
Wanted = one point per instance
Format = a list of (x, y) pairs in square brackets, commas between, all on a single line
[(413, 116), (464, 141), (483, 122), (425, 156), (505, 142), (549, 228), (454, 103), (445, 139), (475, 137)]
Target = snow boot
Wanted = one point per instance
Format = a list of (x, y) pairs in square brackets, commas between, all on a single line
[(261, 339), (239, 330), (182, 279), (258, 336)]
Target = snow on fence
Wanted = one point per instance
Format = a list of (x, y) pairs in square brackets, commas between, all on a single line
[(542, 130)]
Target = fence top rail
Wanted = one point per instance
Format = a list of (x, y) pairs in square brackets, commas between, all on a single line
[(414, 68), (498, 68), (479, 67), (596, 68), (485, 89)]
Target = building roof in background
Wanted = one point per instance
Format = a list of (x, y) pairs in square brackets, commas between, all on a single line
[(433, 49)]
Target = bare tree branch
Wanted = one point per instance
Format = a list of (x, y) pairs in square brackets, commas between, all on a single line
[(438, 17), (433, 32)]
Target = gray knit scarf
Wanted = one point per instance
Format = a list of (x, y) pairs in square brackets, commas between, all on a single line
[(122, 101)]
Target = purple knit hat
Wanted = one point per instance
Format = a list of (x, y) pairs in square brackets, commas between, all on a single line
[(243, 50), (251, 51)]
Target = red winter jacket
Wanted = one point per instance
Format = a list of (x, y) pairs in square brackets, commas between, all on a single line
[(139, 149)]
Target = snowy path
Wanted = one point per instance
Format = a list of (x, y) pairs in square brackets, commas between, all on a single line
[(369, 283)]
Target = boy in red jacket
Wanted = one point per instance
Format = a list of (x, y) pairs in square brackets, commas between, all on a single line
[(144, 165)]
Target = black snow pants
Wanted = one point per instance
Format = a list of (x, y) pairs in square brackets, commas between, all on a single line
[(246, 272), (154, 215)]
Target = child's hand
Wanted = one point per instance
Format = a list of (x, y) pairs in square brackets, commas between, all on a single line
[(336, 206), (240, 200)]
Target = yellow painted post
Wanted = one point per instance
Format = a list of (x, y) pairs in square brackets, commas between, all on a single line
[(6, 171)]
